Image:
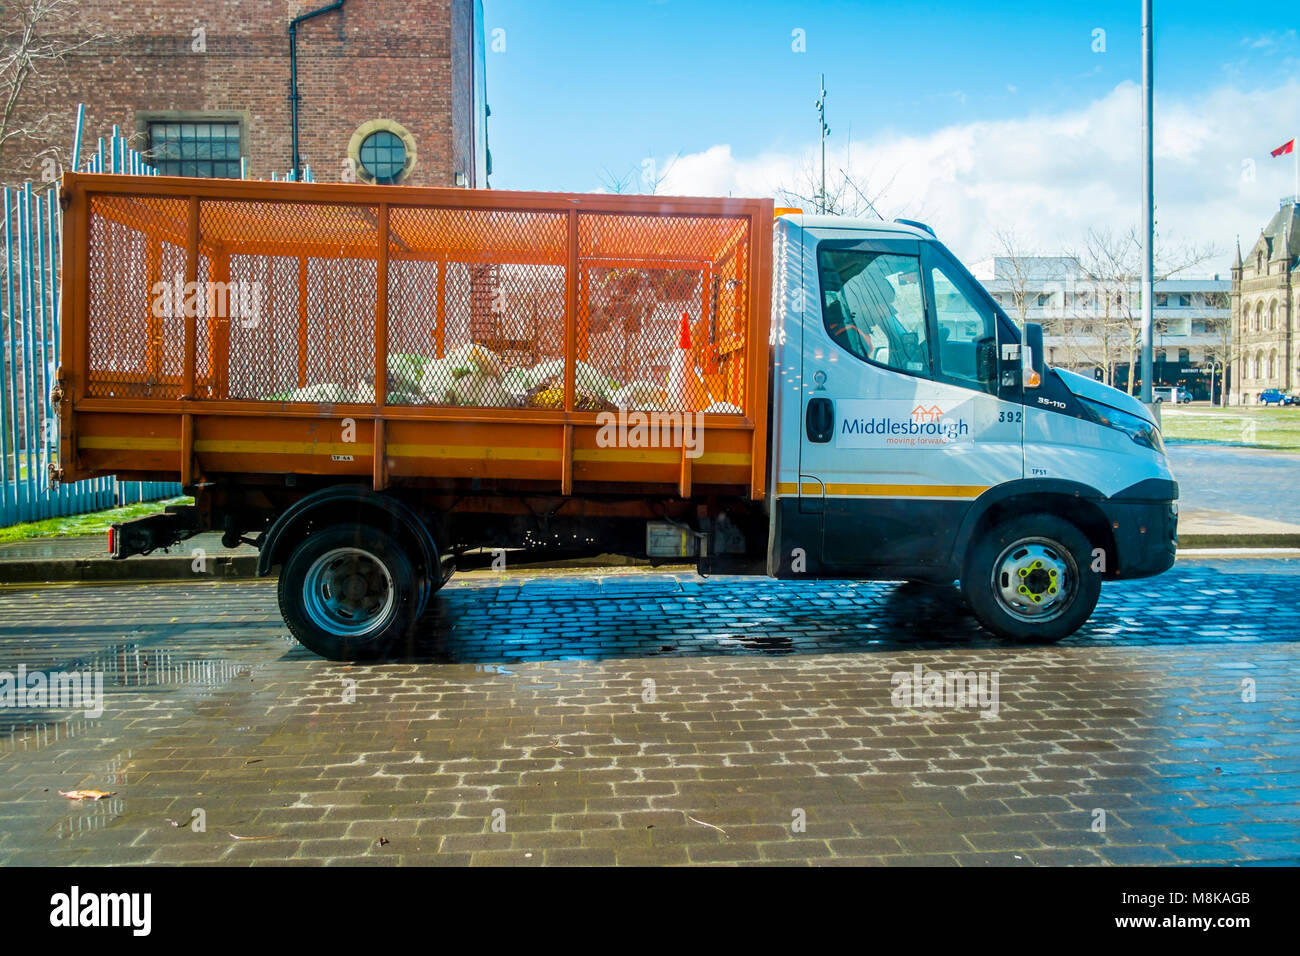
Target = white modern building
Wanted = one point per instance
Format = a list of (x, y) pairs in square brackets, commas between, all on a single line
[(1091, 323)]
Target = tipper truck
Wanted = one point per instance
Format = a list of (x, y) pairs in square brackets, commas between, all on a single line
[(366, 382)]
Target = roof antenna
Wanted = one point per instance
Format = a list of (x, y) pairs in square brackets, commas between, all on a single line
[(826, 131), (870, 204)]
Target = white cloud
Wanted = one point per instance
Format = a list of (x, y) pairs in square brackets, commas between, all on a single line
[(1049, 177), (1268, 41)]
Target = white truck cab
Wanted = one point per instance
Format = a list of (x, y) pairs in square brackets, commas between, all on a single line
[(917, 434)]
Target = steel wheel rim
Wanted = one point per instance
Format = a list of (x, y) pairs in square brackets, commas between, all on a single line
[(1035, 580), (348, 592)]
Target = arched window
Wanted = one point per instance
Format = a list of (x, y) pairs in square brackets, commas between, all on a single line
[(1272, 363), (1259, 361), (1272, 315), (1259, 263)]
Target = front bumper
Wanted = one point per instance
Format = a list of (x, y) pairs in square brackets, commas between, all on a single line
[(1145, 528)]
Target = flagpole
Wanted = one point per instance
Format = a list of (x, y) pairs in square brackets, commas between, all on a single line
[(1148, 207)]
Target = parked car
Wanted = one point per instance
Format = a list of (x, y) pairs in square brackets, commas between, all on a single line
[(1275, 396), (1173, 394)]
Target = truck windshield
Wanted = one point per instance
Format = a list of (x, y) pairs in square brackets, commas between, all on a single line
[(872, 306)]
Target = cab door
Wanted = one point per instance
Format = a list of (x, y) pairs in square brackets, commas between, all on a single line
[(906, 366)]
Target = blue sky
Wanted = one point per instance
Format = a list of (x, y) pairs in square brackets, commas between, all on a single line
[(586, 86)]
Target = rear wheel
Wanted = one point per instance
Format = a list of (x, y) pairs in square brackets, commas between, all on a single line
[(1030, 580), (347, 592)]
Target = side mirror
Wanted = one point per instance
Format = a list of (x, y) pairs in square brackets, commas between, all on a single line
[(986, 360), (1031, 355)]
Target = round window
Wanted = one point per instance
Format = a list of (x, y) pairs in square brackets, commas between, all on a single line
[(383, 156)]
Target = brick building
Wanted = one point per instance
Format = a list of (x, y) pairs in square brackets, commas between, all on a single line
[(387, 91), (1264, 298)]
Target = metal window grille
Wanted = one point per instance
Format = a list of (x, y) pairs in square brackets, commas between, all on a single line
[(210, 150)]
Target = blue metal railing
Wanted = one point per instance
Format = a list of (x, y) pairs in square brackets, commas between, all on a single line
[(29, 349)]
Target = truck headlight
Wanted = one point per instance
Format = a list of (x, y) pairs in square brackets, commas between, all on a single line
[(1140, 430)]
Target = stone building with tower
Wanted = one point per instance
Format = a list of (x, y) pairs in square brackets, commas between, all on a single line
[(1265, 352)]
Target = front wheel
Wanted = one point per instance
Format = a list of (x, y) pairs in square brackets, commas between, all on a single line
[(1030, 579), (347, 592)]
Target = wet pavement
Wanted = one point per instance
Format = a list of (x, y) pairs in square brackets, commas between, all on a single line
[(644, 718), (1255, 482)]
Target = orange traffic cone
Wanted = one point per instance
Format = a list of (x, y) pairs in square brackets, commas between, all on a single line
[(679, 387)]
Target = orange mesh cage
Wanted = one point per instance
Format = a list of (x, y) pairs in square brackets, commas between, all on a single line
[(202, 296), (285, 297)]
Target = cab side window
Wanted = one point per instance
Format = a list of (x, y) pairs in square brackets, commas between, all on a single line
[(963, 323), (872, 307)]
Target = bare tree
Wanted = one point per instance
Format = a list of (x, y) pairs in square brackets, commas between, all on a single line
[(1013, 249), (652, 177), (618, 185), (1223, 354), (845, 194), (1109, 265), (1025, 284), (647, 175), (36, 36), (1113, 263)]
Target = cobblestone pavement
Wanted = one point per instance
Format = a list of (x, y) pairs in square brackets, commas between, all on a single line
[(638, 718)]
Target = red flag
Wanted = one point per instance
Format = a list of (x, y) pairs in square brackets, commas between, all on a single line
[(1285, 148)]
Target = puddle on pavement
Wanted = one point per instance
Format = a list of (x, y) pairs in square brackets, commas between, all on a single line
[(25, 738), (87, 816), (98, 815), (767, 643), (121, 667)]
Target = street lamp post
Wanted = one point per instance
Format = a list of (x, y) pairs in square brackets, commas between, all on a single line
[(1148, 202)]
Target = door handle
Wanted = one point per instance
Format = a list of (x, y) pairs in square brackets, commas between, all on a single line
[(820, 420)]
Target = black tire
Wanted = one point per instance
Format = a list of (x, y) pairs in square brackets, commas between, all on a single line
[(348, 592), (1013, 597)]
